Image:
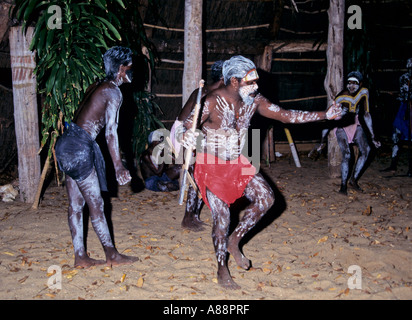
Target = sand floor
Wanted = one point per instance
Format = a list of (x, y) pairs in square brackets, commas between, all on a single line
[(303, 249)]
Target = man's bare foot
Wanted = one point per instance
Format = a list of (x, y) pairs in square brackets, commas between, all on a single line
[(233, 249), (192, 223), (343, 190), (120, 259), (225, 280), (355, 185), (86, 262)]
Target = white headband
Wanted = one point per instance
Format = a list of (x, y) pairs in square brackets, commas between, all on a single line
[(353, 79)]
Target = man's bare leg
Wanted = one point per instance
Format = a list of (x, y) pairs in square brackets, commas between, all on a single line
[(261, 196), (191, 219), (361, 141), (346, 158), (90, 190), (220, 229), (75, 219)]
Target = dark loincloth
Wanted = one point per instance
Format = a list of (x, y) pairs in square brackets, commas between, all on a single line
[(77, 154)]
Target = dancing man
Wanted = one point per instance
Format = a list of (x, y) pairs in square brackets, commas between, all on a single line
[(222, 173), (79, 156), (350, 130), (401, 126)]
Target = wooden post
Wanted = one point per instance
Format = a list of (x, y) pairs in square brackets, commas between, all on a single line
[(264, 62), (25, 112), (334, 77), (193, 57)]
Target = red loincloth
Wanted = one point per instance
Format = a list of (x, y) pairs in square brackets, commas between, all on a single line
[(226, 179)]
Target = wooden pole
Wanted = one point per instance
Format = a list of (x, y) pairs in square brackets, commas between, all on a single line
[(264, 62), (25, 111), (334, 77), (193, 50)]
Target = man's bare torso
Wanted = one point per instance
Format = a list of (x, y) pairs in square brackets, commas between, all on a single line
[(102, 103), (224, 122)]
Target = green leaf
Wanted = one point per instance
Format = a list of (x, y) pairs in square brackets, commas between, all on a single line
[(49, 39), (29, 9), (111, 27), (121, 3), (101, 4)]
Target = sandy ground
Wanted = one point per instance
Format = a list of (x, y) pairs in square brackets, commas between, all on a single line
[(302, 250)]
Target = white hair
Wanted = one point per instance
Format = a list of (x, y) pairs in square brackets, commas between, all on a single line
[(237, 66)]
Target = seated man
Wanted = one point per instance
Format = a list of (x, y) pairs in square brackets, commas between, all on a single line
[(157, 175), (79, 157)]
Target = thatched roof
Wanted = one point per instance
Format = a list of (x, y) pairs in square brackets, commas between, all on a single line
[(239, 26)]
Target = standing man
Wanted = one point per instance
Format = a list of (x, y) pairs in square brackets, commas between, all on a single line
[(350, 130), (401, 124), (222, 173), (191, 220), (79, 156)]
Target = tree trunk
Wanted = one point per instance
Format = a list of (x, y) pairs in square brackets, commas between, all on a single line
[(192, 72), (334, 77), (25, 112)]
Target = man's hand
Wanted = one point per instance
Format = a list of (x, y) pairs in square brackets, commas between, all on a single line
[(376, 143), (335, 112), (123, 176)]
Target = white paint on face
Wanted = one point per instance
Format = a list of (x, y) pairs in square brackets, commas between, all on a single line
[(246, 91), (352, 87)]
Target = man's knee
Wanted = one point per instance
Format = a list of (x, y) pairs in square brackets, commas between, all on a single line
[(269, 200), (346, 155), (265, 200), (76, 204)]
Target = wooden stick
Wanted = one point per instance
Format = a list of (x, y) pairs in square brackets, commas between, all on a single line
[(192, 182), (189, 153), (40, 186), (292, 148)]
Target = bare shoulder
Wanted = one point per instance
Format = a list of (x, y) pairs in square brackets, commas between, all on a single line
[(98, 100), (260, 99), (109, 90), (211, 98)]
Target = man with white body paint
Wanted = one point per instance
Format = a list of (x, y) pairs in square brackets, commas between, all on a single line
[(355, 128), (191, 219), (222, 173), (350, 130), (79, 156)]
